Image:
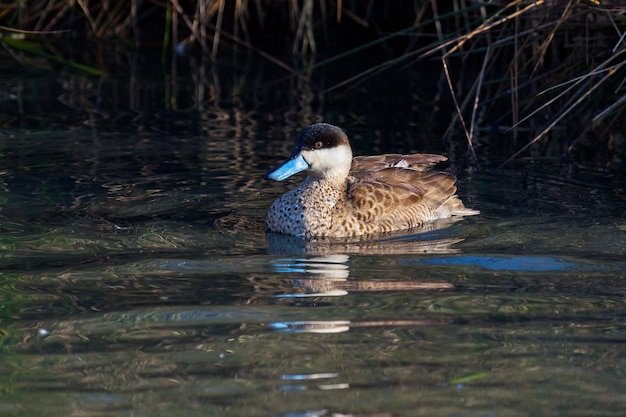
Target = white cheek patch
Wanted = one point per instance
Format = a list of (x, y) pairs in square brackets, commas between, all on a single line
[(329, 161)]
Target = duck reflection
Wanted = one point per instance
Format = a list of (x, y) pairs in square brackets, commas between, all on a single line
[(318, 269), (322, 275), (324, 381), (428, 239)]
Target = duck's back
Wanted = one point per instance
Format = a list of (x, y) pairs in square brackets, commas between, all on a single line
[(416, 161), (394, 192)]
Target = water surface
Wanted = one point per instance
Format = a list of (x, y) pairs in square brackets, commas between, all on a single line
[(137, 279)]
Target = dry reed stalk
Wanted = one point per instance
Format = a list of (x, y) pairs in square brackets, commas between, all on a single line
[(218, 29), (525, 21), (192, 25), (582, 89)]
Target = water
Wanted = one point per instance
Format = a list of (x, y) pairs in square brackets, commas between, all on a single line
[(137, 279)]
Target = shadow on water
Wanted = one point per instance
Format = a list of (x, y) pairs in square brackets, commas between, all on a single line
[(137, 278)]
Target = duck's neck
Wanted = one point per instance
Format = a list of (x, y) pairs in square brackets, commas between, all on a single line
[(335, 178)]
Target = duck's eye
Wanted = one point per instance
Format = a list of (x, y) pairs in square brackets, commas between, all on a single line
[(319, 144)]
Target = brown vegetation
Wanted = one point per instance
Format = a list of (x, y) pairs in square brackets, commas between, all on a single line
[(549, 69)]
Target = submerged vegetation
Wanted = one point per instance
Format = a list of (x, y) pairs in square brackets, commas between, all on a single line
[(530, 72)]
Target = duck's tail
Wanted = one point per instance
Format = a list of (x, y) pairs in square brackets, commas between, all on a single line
[(456, 208)]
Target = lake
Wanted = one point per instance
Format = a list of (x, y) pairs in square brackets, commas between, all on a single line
[(137, 278)]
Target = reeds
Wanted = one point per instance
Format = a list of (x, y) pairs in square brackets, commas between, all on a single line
[(557, 68), (530, 71)]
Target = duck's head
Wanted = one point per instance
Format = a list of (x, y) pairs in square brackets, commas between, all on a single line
[(323, 149)]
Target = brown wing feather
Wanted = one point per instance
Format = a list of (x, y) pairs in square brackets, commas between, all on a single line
[(418, 161), (393, 196)]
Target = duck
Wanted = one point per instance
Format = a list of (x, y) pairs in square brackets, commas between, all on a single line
[(346, 196)]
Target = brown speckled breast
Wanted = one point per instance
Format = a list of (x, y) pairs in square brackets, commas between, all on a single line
[(308, 210)]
